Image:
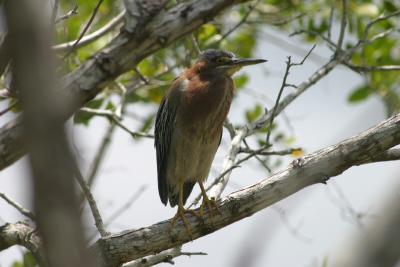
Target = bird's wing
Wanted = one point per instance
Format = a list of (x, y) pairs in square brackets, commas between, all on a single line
[(165, 124)]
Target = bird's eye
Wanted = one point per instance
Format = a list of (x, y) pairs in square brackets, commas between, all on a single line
[(222, 60)]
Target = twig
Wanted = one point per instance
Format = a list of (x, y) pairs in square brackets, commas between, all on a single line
[(284, 84), (99, 112), (114, 119), (134, 134), (84, 29), (100, 154), (372, 68), (144, 79), (379, 19), (229, 126), (331, 14), (343, 25), (10, 107), (70, 13), (252, 153), (269, 153), (243, 20), (195, 44), (164, 256), (107, 137), (91, 37), (92, 203), (18, 206)]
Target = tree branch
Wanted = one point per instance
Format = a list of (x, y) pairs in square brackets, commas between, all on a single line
[(91, 37), (164, 256), (85, 29), (317, 167), (92, 203), (18, 206), (19, 233)]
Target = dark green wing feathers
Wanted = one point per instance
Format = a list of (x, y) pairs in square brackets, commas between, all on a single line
[(163, 133)]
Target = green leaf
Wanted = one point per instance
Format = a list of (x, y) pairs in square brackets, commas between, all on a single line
[(241, 81), (253, 114), (29, 260), (359, 94), (84, 118), (367, 10)]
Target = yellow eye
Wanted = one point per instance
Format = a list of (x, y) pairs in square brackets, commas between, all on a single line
[(222, 59)]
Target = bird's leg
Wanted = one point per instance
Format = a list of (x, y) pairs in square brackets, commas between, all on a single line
[(181, 213), (207, 203)]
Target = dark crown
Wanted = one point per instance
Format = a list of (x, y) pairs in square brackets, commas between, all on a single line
[(213, 54)]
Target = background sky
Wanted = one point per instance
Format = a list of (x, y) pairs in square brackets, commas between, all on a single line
[(302, 230)]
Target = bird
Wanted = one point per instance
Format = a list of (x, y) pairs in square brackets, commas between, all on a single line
[(189, 125)]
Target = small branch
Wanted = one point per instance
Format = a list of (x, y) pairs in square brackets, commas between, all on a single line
[(92, 203), (373, 68), (70, 13), (331, 14), (242, 21), (269, 153), (343, 25), (10, 107), (144, 79), (195, 44), (377, 20), (134, 134), (91, 37), (84, 29), (164, 256), (18, 206), (229, 126), (94, 167), (114, 119), (284, 84), (99, 112)]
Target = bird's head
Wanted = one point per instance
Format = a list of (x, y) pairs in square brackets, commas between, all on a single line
[(223, 62)]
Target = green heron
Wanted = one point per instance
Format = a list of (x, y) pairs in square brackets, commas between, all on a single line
[(189, 126)]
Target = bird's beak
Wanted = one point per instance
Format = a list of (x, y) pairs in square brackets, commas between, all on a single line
[(236, 64), (241, 62)]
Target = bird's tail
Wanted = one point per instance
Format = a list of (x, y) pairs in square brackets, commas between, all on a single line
[(173, 194)]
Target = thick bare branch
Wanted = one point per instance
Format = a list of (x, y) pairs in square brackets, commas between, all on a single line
[(314, 168), (20, 233)]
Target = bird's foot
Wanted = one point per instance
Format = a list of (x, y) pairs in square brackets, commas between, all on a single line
[(181, 214), (210, 205)]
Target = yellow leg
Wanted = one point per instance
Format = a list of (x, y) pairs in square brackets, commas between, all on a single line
[(207, 203), (181, 213)]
